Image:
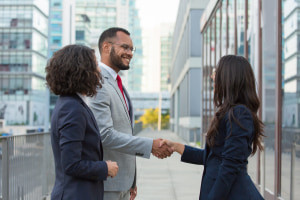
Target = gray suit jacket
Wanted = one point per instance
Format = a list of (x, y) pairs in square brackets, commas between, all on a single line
[(116, 129)]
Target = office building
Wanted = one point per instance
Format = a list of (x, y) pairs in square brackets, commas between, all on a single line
[(146, 100), (62, 30), (83, 29), (23, 57), (62, 24), (186, 71), (165, 55), (135, 74)]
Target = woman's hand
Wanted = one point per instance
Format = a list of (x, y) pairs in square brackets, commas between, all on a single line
[(112, 168), (178, 147)]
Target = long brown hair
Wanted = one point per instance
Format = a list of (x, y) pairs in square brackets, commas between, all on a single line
[(235, 85)]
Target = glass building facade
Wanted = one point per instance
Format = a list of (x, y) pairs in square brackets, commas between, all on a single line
[(56, 25), (83, 32), (62, 24), (62, 31), (101, 14), (266, 32), (136, 71), (23, 56)]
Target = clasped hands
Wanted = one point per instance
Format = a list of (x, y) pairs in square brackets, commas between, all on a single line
[(162, 148)]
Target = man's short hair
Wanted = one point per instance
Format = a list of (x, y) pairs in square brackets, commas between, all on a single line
[(110, 33)]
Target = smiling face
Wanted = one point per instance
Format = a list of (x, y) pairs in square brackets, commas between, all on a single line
[(120, 52)]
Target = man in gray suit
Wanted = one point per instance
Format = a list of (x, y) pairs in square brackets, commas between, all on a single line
[(114, 114)]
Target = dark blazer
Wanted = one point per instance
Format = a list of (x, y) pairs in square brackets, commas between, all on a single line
[(77, 150), (225, 165)]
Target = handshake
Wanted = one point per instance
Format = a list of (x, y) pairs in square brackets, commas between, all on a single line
[(162, 148)]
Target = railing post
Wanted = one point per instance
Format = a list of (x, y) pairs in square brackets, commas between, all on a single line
[(46, 155), (292, 183), (5, 169)]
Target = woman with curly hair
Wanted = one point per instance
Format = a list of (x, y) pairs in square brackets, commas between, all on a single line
[(72, 73), (234, 134)]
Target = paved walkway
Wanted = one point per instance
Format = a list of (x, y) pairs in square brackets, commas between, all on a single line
[(167, 179)]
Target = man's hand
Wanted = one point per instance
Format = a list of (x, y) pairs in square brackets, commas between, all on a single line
[(133, 193), (112, 168), (161, 151)]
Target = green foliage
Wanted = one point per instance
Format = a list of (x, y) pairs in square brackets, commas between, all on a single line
[(150, 119)]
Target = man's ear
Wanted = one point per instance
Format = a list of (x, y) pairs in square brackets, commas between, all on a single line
[(106, 47)]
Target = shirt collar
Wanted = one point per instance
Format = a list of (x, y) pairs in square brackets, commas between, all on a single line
[(83, 97), (110, 70)]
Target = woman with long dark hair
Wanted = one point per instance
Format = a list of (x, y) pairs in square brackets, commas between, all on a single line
[(72, 73), (233, 135)]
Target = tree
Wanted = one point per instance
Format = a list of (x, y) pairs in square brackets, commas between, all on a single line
[(150, 119)]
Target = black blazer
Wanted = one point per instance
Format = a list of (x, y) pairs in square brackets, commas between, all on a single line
[(225, 165), (77, 148)]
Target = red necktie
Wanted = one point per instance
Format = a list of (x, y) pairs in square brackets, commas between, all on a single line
[(121, 88)]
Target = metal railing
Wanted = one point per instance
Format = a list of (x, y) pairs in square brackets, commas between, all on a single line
[(295, 149), (26, 167)]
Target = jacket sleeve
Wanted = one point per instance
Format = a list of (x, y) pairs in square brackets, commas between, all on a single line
[(111, 138), (235, 152), (192, 155), (72, 130)]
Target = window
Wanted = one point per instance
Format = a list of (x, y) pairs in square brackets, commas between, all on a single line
[(80, 35)]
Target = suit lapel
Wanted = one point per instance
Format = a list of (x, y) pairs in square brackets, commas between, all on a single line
[(130, 106), (89, 111), (113, 82), (92, 115), (94, 121)]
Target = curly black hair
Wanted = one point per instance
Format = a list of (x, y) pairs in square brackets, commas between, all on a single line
[(73, 69)]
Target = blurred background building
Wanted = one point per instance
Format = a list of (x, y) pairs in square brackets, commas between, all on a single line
[(100, 15), (62, 24), (166, 33), (186, 71), (149, 100), (266, 33), (170, 71), (83, 29), (61, 31), (23, 57)]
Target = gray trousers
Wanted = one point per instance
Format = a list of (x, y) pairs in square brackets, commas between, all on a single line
[(116, 195)]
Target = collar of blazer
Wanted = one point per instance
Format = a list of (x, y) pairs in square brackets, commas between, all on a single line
[(113, 82), (78, 98)]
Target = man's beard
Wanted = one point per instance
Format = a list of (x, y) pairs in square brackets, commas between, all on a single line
[(117, 60)]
